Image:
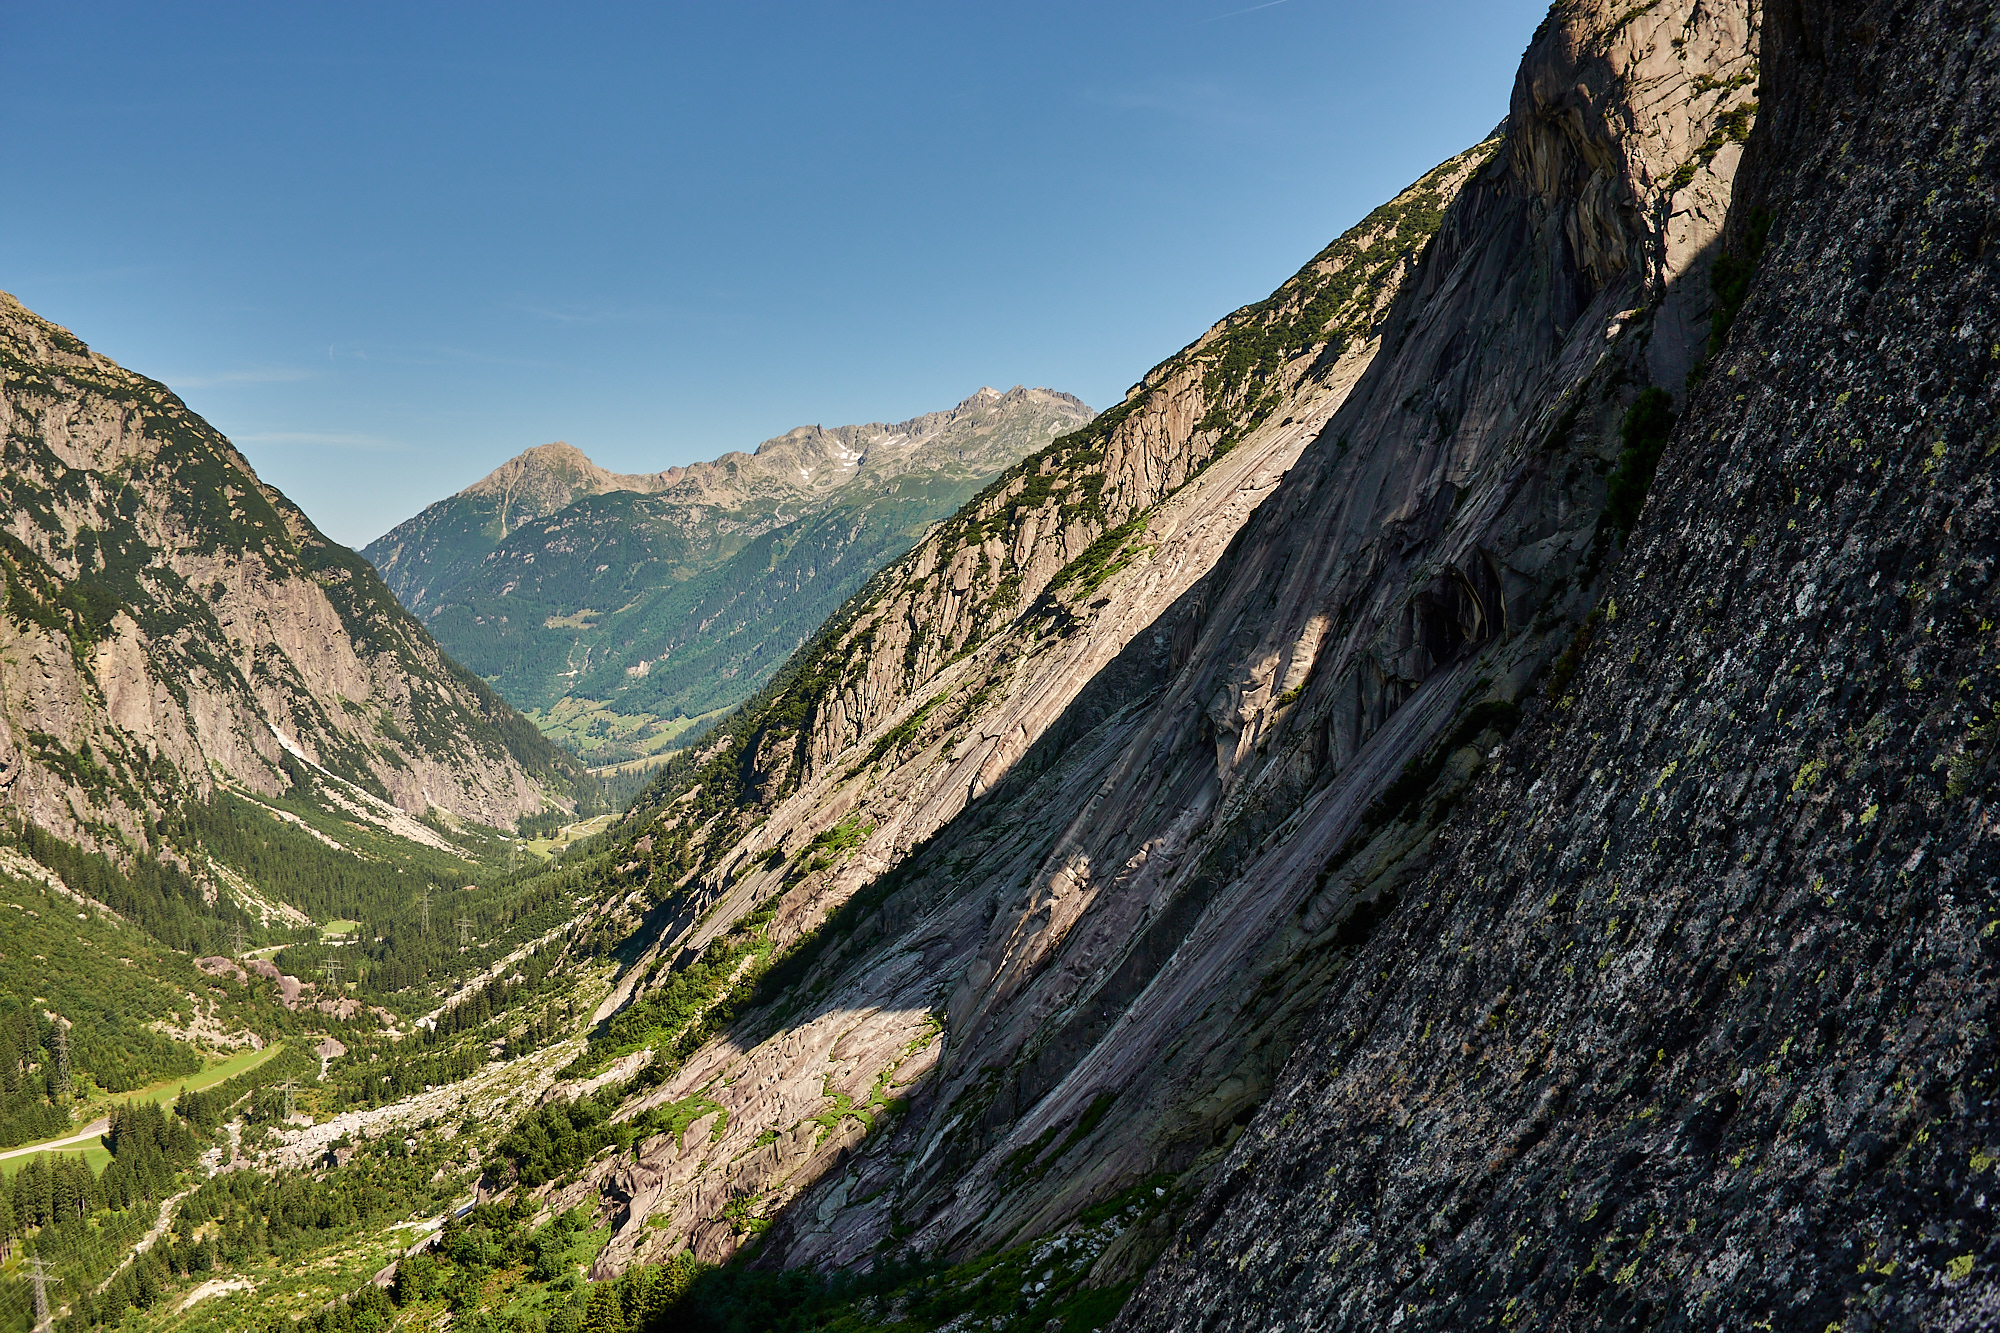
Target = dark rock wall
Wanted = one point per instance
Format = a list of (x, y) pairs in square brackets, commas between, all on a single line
[(1690, 1023)]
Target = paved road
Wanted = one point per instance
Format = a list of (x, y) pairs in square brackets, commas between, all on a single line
[(94, 1130)]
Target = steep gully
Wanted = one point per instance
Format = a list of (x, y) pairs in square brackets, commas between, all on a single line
[(1141, 749)]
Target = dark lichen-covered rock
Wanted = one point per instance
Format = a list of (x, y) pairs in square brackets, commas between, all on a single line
[(1690, 1025)]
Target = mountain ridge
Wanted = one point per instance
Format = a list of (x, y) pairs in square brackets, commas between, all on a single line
[(168, 611), (552, 476), (618, 609)]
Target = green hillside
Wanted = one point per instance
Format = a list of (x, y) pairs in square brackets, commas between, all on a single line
[(711, 640)]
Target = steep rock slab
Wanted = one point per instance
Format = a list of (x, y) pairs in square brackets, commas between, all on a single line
[(1691, 1025), (949, 671), (169, 617), (1153, 880), (1177, 892)]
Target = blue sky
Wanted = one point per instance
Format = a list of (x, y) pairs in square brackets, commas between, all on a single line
[(385, 247)]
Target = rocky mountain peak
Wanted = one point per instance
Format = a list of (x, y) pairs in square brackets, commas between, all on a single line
[(539, 481), (818, 458), (1630, 119)]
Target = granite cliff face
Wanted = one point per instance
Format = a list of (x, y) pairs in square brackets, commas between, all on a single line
[(172, 622), (613, 604), (1165, 884), (1689, 1022), (1103, 778), (915, 704)]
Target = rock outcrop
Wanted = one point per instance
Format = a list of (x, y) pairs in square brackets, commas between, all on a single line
[(1099, 744), (172, 622), (1689, 1023), (920, 698)]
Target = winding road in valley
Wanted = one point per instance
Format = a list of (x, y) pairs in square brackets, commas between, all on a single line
[(81, 1139)]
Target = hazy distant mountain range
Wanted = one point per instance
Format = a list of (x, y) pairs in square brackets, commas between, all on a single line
[(616, 607)]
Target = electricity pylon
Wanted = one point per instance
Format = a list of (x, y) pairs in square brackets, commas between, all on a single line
[(64, 1085), (40, 1275)]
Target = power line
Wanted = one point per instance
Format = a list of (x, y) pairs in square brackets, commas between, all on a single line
[(86, 1256), (41, 1278)]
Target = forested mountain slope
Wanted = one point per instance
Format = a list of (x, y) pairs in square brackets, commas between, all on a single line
[(1690, 1022), (259, 865), (1106, 775), (617, 607), (171, 622)]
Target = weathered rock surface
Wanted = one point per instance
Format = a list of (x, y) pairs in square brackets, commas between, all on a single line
[(169, 618), (1109, 724), (1690, 1022), (1169, 881)]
